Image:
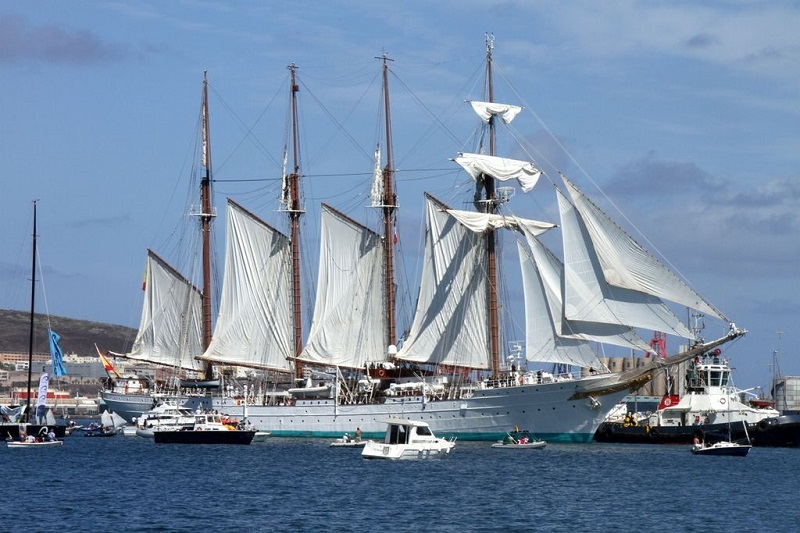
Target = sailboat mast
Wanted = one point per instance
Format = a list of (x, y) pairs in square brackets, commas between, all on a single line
[(33, 307), (295, 211), (389, 206), (205, 223), (489, 206)]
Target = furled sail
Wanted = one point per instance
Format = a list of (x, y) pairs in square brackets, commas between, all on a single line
[(628, 265), (376, 192), (254, 328), (486, 110), (549, 336), (170, 327), (348, 328), (449, 324), (587, 295), (500, 168), (480, 222)]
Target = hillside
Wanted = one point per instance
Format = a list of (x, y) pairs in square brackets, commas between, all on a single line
[(78, 336)]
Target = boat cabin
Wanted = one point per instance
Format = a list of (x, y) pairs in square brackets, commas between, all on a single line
[(711, 372), (402, 431), (129, 385)]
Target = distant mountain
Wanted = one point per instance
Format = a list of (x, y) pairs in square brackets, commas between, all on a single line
[(77, 336)]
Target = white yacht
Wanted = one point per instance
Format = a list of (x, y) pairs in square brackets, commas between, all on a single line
[(164, 416)]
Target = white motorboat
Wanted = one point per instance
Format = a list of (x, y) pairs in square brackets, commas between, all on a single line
[(407, 439), (164, 416)]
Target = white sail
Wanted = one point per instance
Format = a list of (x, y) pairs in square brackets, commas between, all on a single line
[(588, 297), (112, 420), (480, 222), (549, 336), (170, 327), (449, 324), (486, 110), (500, 168), (254, 327), (348, 328), (628, 265), (542, 344)]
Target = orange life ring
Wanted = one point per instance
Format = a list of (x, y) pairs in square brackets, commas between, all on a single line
[(238, 402), (722, 400), (667, 401), (381, 373)]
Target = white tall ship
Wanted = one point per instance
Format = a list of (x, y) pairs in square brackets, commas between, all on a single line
[(607, 287), (449, 371)]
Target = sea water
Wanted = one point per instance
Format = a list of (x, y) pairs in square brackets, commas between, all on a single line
[(132, 484)]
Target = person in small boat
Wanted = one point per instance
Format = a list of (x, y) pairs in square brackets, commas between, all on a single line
[(51, 436), (358, 434), (524, 439), (346, 437)]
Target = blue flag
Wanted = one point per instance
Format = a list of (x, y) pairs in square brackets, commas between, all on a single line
[(56, 354)]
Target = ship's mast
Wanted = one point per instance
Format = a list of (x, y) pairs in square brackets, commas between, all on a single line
[(295, 212), (489, 207), (205, 223), (33, 308), (389, 205)]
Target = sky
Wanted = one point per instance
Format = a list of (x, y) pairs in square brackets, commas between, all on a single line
[(683, 116)]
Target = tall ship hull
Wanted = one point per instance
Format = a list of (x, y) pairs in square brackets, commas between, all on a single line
[(546, 409), (487, 415)]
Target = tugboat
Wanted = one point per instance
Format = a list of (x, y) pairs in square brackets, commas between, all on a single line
[(710, 409)]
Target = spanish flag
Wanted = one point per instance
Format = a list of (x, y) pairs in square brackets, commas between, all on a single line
[(106, 363)]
